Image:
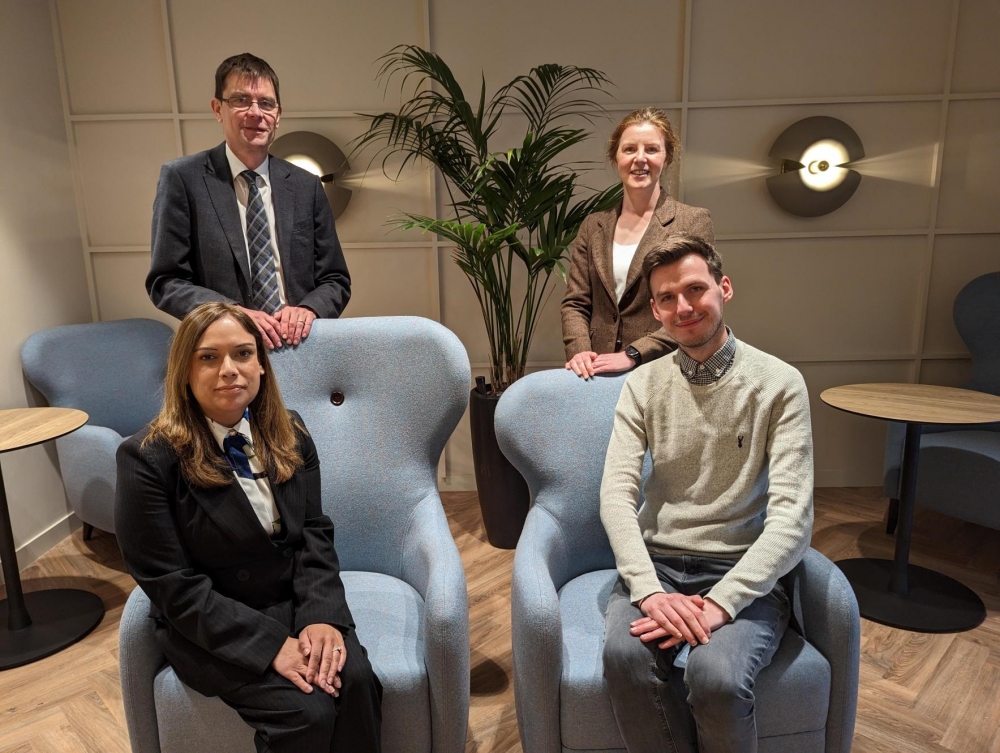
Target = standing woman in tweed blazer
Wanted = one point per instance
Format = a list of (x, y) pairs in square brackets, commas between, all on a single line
[(607, 322)]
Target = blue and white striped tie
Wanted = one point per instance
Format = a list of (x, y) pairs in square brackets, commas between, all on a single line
[(264, 280)]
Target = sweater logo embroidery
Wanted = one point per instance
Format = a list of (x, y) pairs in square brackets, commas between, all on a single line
[(739, 441)]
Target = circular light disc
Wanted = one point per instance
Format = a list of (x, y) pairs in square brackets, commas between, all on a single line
[(823, 160), (306, 163)]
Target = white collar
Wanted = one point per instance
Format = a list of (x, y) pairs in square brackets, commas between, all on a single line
[(221, 432), (236, 166)]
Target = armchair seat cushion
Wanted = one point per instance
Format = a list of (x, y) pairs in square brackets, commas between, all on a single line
[(798, 676), (388, 614)]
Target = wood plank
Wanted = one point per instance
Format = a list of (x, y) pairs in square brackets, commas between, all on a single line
[(920, 693)]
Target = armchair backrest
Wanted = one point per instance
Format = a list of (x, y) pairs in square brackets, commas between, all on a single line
[(976, 313), (111, 370), (380, 396), (554, 428)]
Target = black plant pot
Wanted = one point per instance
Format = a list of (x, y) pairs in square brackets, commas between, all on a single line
[(503, 493)]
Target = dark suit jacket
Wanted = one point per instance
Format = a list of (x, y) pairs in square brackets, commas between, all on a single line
[(592, 319), (225, 595), (199, 253)]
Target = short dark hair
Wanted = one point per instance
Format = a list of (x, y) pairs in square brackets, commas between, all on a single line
[(248, 66), (676, 248)]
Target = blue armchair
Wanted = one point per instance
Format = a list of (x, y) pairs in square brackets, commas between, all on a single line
[(959, 469), (114, 372), (555, 427), (380, 397)]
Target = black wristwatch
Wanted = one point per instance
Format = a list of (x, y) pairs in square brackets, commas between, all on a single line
[(634, 354)]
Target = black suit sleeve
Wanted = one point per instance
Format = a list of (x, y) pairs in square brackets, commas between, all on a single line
[(170, 282), (332, 281), (159, 562), (319, 590)]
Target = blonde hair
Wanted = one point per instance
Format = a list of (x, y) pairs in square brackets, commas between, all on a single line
[(181, 421), (655, 117)]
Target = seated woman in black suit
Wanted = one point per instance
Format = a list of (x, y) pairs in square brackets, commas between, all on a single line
[(218, 516)]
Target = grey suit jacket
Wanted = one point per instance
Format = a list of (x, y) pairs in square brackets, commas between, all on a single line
[(592, 318), (224, 594), (199, 253)]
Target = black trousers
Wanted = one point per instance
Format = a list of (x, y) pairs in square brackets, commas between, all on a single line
[(287, 720)]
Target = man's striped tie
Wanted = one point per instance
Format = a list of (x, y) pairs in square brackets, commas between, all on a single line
[(264, 282)]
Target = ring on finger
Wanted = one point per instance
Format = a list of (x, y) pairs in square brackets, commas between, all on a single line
[(339, 648)]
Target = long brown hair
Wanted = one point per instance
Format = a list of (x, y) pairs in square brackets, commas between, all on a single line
[(655, 117), (181, 421)]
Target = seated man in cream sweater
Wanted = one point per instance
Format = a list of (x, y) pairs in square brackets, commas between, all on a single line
[(698, 609)]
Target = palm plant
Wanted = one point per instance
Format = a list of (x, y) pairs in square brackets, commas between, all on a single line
[(519, 204)]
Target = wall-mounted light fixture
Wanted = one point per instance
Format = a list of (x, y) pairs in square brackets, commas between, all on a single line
[(322, 158), (815, 176)]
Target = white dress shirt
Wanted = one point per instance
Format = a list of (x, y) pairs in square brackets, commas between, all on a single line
[(243, 197), (258, 490)]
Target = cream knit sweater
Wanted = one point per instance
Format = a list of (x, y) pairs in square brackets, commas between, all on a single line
[(732, 474)]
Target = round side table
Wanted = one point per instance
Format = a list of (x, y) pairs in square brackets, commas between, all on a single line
[(894, 592), (37, 624)]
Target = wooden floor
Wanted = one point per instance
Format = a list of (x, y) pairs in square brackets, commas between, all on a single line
[(919, 692)]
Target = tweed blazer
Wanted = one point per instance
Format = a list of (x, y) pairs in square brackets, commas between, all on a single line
[(592, 318), (224, 595)]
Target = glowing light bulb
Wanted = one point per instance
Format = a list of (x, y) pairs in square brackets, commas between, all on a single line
[(823, 160)]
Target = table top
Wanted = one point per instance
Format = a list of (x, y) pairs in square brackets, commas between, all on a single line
[(24, 427), (915, 403)]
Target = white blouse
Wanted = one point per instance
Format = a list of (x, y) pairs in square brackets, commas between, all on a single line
[(622, 256)]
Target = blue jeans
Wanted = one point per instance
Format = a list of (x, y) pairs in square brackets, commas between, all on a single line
[(709, 705)]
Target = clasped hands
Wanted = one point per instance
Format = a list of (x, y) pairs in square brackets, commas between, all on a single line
[(587, 363), (678, 618), (290, 324), (316, 657)]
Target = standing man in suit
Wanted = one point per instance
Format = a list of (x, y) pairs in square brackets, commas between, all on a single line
[(237, 225)]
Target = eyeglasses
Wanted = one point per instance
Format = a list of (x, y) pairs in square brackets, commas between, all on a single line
[(242, 102)]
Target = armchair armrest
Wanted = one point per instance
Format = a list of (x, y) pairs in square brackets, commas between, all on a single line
[(89, 473), (536, 632), (432, 565), (826, 611), (139, 660)]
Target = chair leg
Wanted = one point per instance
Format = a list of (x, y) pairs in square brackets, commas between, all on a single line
[(892, 515), (88, 531)]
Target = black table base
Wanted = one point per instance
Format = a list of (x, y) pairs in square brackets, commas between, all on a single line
[(934, 603), (59, 617)]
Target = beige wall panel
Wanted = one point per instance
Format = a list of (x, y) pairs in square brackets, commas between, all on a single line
[(826, 296), (727, 164), (970, 190), (977, 55), (787, 48), (507, 39), (119, 167), (198, 135), (376, 197), (116, 59), (120, 279), (958, 259), (848, 449), (42, 282), (323, 52), (390, 282), (951, 372)]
